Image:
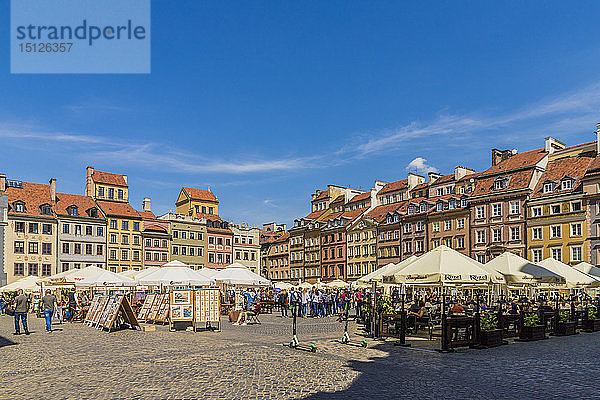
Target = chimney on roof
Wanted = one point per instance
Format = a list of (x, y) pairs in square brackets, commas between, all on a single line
[(551, 145), (125, 179), (597, 140), (53, 190), (414, 180), (433, 176), (146, 204), (461, 172), (500, 155), (2, 182), (89, 183)]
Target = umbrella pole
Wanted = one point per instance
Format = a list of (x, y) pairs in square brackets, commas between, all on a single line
[(445, 348)]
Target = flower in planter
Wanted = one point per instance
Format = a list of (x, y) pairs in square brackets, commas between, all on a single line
[(531, 319), (489, 322), (565, 316), (592, 313)]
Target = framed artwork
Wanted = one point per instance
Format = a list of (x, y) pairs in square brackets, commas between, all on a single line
[(176, 312), (182, 297)]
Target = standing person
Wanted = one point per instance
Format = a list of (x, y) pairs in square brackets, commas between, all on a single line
[(72, 305), (48, 303), (21, 304), (283, 303), (305, 300)]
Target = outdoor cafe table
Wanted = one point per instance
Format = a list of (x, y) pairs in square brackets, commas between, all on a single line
[(460, 331)]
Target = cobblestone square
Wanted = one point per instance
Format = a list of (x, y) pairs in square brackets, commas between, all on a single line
[(247, 362)]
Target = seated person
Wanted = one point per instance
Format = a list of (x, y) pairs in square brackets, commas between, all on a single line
[(417, 315), (243, 317), (457, 308)]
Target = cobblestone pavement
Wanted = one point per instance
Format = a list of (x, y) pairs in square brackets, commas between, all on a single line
[(79, 362)]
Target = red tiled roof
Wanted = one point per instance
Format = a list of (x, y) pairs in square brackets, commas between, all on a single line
[(339, 199), (360, 197), (517, 180), (380, 211), (109, 178), (33, 195), (210, 217), (200, 194), (444, 179), (147, 214), (577, 145), (594, 167), (83, 203), (423, 185), (471, 176), (519, 160), (573, 167), (155, 228), (315, 214), (394, 186), (282, 238), (323, 195), (118, 209)]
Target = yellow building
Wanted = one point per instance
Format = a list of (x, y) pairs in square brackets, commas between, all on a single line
[(124, 237), (556, 225), (195, 202)]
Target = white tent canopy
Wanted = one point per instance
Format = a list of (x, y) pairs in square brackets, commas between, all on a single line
[(305, 285), (28, 284), (337, 284), (238, 274), (73, 275), (388, 269), (133, 274), (443, 266), (175, 273), (574, 277), (105, 279), (588, 269), (519, 271), (210, 272), (283, 285)]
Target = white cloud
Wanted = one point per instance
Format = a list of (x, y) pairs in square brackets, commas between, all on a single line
[(269, 203), (419, 165)]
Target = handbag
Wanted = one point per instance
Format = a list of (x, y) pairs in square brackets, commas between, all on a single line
[(10, 311)]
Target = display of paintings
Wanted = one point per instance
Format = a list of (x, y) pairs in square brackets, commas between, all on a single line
[(113, 311), (146, 307), (106, 311), (152, 314), (182, 297), (181, 306), (163, 311), (92, 308), (98, 312), (239, 299), (208, 305)]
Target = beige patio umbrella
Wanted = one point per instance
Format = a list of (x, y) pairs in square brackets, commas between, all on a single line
[(387, 269), (337, 284), (588, 269), (73, 275), (28, 284), (519, 271), (444, 266), (575, 279)]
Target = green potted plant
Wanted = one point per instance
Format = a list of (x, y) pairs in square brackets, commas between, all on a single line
[(531, 328), (591, 323), (490, 335), (565, 326)]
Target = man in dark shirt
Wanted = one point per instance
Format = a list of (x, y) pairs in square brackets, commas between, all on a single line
[(21, 304), (48, 302)]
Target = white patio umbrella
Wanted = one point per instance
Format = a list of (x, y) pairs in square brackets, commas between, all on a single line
[(175, 273), (337, 284), (283, 285), (519, 271), (443, 266), (73, 275), (305, 285), (574, 278), (210, 272), (388, 269), (588, 269), (133, 274), (106, 279), (28, 284), (238, 274)]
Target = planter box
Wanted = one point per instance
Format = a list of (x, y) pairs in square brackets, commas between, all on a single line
[(591, 325), (491, 338), (565, 328), (529, 333)]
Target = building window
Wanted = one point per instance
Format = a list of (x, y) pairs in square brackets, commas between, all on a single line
[(46, 209), (89, 249), (113, 224), (46, 248), (66, 228), (148, 256), (66, 248), (436, 226), (72, 210), (576, 229), (407, 247), (19, 269), (99, 249), (576, 254), (555, 232), (124, 225), (113, 238), (515, 207), (557, 254), (548, 187), (77, 248), (136, 240), (555, 209), (124, 255), (435, 243), (448, 242), (120, 194), (496, 235), (575, 206), (33, 248), (32, 269), (46, 270), (566, 184), (19, 247), (184, 235), (227, 242), (480, 212), (536, 255), (460, 242), (65, 267), (481, 258), (447, 225), (47, 229), (480, 237), (497, 210), (175, 250), (113, 255), (78, 229), (460, 223), (211, 240), (536, 233), (33, 227), (536, 212), (100, 191), (136, 255), (515, 233), (111, 193), (125, 239)]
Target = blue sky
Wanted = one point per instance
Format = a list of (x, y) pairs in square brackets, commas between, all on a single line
[(265, 102)]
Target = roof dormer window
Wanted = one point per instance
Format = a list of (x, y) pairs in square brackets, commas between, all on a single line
[(93, 212), (439, 206), (45, 209), (548, 187), (72, 210), (566, 184), (500, 183), (19, 206), (423, 207), (451, 205)]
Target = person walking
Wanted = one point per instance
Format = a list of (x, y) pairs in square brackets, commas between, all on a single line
[(72, 305), (21, 304), (48, 303), (283, 303)]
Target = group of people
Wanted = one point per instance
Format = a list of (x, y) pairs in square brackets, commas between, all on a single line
[(316, 303)]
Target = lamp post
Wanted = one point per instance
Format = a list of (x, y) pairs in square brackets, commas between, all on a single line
[(402, 319), (445, 347)]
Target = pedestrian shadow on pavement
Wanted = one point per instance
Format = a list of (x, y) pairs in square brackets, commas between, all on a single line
[(6, 341)]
